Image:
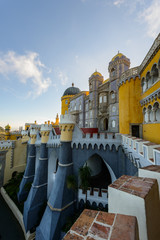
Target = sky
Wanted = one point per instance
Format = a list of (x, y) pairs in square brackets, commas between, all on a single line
[(46, 45)]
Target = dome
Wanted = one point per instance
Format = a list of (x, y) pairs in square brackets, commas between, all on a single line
[(96, 73), (7, 127), (118, 55), (71, 91)]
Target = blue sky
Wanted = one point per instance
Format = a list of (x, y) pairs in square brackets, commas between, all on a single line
[(45, 45)]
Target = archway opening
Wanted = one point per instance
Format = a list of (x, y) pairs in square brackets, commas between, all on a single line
[(105, 124), (100, 175)]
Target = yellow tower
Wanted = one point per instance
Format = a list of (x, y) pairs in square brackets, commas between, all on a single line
[(45, 130), (7, 132), (33, 135), (65, 99), (66, 125)]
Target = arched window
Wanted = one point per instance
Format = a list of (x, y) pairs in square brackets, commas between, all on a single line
[(112, 95), (80, 106), (154, 73), (156, 112), (148, 80), (150, 114), (113, 72), (145, 117), (105, 124), (143, 84)]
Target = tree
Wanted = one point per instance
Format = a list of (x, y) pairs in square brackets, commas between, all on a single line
[(72, 184), (85, 175)]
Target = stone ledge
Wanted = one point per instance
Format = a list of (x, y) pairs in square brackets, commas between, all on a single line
[(93, 225)]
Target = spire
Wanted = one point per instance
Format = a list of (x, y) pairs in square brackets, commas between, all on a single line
[(72, 84)]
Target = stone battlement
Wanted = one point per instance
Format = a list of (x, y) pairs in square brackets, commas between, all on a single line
[(96, 140), (94, 195), (67, 118), (46, 127), (6, 144), (147, 152)]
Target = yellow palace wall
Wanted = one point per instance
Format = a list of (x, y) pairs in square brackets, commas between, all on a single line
[(151, 131), (129, 105), (64, 105), (17, 158)]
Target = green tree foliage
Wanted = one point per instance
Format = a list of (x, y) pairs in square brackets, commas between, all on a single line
[(71, 182), (85, 175)]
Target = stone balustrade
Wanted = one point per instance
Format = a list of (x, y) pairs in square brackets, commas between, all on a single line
[(145, 152), (127, 75)]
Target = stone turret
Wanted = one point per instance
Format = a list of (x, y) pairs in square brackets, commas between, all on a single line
[(29, 173), (61, 200), (38, 194), (67, 123)]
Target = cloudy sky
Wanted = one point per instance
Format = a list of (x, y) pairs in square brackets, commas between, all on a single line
[(45, 45)]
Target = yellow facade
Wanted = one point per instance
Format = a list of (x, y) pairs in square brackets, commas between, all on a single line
[(65, 101), (151, 130), (129, 105), (15, 160), (139, 99)]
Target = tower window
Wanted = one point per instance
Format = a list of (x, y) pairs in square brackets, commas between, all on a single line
[(66, 101)]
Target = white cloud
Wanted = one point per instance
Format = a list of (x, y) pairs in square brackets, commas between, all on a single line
[(130, 5), (118, 2), (29, 70), (62, 77), (151, 16)]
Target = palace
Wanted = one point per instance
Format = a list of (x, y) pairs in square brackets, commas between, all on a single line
[(114, 130), (128, 102)]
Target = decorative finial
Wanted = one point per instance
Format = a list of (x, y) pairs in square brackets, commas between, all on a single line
[(72, 84), (118, 51), (96, 70)]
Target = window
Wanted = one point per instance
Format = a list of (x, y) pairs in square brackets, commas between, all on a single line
[(105, 98), (86, 106), (100, 99), (113, 72), (66, 112), (113, 124), (66, 102), (80, 106), (113, 109), (113, 95)]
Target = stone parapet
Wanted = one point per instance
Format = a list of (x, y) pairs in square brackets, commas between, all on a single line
[(138, 197), (152, 171), (67, 118), (145, 152), (127, 75), (93, 225), (4, 145), (94, 195), (54, 140), (96, 140)]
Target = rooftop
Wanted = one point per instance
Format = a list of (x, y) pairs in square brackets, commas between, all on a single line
[(94, 225), (134, 185)]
